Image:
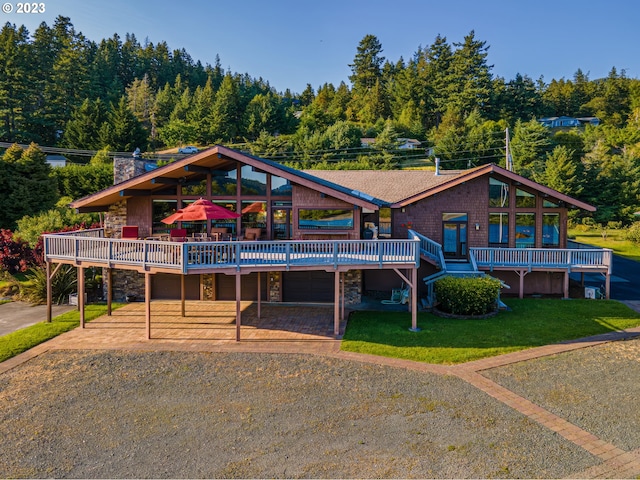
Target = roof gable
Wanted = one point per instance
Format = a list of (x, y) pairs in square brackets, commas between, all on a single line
[(210, 160)]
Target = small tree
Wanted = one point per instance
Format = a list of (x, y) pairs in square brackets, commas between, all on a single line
[(15, 254)]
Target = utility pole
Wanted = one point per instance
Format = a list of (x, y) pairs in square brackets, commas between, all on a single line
[(508, 159)]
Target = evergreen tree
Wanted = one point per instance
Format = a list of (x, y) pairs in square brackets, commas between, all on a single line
[(471, 76), (30, 189), (562, 172), (529, 145), (123, 131), (83, 129), (224, 116)]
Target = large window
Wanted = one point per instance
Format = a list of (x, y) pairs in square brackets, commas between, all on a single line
[(224, 183), (254, 214), (525, 199), (254, 182), (498, 193), (162, 209), (319, 219), (525, 230), (228, 223), (196, 185), (280, 187), (550, 229), (498, 229)]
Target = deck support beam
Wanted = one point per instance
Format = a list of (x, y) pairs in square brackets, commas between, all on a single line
[(565, 289), (259, 295), (147, 303), (109, 290), (607, 286), (238, 301), (182, 295), (414, 300), (521, 274), (336, 304), (81, 295), (49, 293)]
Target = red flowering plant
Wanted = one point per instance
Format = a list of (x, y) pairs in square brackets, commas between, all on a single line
[(408, 225), (15, 254)]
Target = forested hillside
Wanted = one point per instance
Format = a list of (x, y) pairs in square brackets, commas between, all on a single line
[(58, 88)]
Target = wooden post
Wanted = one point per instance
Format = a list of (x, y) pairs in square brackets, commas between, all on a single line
[(414, 299), (109, 290), (182, 295), (342, 284), (521, 274), (566, 285), (49, 293), (259, 295), (238, 300), (147, 303), (81, 295), (336, 304), (607, 286)]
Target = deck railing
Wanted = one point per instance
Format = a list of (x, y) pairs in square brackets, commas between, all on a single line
[(429, 248), (531, 258), (191, 256)]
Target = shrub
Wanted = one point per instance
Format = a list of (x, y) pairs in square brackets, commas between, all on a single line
[(633, 233), (467, 295), (15, 254), (63, 283)]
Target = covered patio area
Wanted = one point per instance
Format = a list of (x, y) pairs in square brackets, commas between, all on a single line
[(213, 322)]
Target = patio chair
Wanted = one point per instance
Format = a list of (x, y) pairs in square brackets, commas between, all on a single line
[(129, 231), (398, 296), (178, 234), (252, 234)]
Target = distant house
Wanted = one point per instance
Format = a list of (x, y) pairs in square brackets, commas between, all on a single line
[(57, 160), (409, 143), (403, 143), (564, 121)]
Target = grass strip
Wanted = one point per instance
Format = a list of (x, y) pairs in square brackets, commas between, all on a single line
[(530, 323), (22, 340)]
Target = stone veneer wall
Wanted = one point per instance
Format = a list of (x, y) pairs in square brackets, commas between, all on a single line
[(125, 282), (352, 287), (275, 286)]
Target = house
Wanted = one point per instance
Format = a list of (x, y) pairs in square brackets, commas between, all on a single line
[(328, 235), (408, 143), (57, 161), (568, 122)]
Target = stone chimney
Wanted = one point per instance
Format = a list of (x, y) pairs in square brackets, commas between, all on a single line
[(125, 168)]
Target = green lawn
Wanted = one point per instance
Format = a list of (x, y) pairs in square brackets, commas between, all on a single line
[(26, 338), (530, 323), (614, 240)]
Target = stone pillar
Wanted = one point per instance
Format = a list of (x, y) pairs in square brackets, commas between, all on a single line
[(352, 287), (274, 285)]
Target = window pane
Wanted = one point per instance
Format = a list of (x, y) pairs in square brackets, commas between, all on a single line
[(162, 209), (549, 204), (454, 217), (254, 214), (498, 193), (253, 182), (498, 229), (228, 223), (280, 187), (525, 199), (224, 183), (316, 219), (550, 229), (525, 230), (196, 185)]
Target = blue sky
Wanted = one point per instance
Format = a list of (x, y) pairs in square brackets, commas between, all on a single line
[(292, 43)]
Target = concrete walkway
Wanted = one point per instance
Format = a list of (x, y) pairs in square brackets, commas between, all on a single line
[(213, 330), (17, 315)]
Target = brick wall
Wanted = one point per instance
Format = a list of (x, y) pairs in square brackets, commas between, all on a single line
[(426, 215)]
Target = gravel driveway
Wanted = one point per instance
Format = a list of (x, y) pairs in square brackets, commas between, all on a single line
[(123, 414)]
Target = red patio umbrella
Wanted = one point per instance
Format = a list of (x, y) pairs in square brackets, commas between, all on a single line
[(200, 210)]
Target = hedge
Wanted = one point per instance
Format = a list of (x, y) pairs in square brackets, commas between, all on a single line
[(467, 295)]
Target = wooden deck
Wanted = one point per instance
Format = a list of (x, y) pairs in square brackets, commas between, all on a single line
[(223, 257)]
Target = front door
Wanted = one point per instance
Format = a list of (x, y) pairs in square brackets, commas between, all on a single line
[(454, 235)]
